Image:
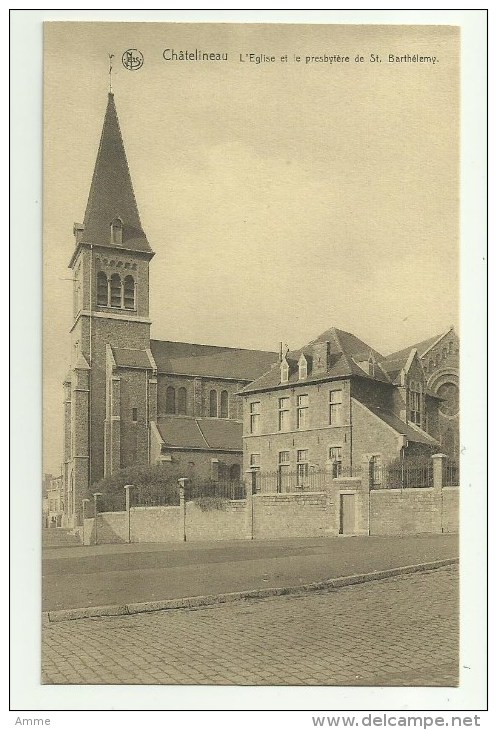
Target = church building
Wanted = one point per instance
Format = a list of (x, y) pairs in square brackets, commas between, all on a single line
[(219, 412), (129, 399)]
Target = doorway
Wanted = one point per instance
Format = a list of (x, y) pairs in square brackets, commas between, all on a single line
[(347, 514)]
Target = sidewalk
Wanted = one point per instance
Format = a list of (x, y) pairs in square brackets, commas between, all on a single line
[(102, 575)]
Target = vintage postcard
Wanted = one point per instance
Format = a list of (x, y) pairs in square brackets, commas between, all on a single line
[(251, 355)]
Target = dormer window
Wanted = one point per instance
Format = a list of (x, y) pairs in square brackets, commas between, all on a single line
[(302, 367), (116, 232)]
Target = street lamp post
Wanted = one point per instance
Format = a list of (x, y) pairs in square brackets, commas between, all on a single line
[(85, 502), (96, 495)]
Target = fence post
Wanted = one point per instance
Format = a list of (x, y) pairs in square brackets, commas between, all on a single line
[(438, 475), (249, 506), (96, 495), (366, 484), (127, 487), (85, 502), (182, 504)]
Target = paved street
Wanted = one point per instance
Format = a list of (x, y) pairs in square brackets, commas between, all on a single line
[(81, 577), (399, 631)]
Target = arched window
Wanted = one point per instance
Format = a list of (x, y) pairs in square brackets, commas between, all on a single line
[(129, 293), (170, 400), (115, 290), (224, 403), (444, 353), (432, 365), (182, 401), (116, 232), (437, 358), (451, 347), (213, 404), (102, 290)]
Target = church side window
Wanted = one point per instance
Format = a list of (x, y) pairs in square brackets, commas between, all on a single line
[(224, 404), (213, 404), (129, 293), (115, 290), (102, 289), (170, 400), (182, 401)]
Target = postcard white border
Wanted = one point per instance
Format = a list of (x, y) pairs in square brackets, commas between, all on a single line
[(26, 178)]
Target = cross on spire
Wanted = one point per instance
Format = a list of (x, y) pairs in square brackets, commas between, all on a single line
[(111, 56)]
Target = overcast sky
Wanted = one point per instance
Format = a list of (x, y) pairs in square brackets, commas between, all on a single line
[(280, 198)]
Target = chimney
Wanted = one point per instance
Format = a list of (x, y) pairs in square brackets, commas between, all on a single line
[(320, 357)]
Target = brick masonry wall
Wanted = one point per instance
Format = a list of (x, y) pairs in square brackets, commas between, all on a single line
[(291, 515), (450, 507), (372, 436), (197, 394), (198, 464), (317, 438)]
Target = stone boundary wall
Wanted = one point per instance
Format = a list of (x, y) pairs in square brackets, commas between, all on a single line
[(291, 515), (296, 514), (450, 509)]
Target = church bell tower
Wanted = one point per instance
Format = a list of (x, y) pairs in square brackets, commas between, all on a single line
[(110, 266)]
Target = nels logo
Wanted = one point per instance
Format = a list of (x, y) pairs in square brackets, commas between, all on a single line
[(132, 59)]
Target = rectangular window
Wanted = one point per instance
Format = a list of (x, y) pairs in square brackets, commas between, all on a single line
[(255, 417), (255, 461), (134, 415), (335, 407), (415, 403), (283, 471), (335, 456), (284, 414), (302, 466), (302, 411)]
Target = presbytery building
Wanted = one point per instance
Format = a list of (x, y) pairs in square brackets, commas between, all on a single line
[(337, 403)]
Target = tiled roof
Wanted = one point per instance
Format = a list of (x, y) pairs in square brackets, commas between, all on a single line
[(185, 358), (126, 358), (200, 433), (222, 433), (410, 430), (421, 347), (111, 192), (346, 351)]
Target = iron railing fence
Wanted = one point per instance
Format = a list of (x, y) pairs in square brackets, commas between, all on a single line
[(231, 490), (166, 495), (404, 476), (450, 476), (277, 482)]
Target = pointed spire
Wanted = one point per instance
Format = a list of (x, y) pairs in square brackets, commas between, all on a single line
[(111, 202)]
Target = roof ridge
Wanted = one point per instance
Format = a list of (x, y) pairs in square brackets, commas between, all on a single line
[(217, 347), (202, 433)]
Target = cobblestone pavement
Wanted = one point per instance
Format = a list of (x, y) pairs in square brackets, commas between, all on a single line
[(400, 631)]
